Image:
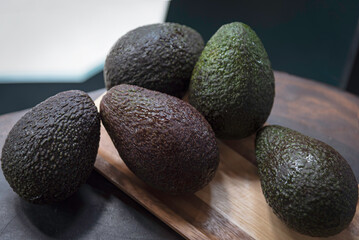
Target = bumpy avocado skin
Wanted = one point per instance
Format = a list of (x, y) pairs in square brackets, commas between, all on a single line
[(159, 57), (308, 184), (163, 140), (51, 150), (232, 83)]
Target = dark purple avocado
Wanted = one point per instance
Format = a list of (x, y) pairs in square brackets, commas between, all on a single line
[(159, 57), (52, 149), (162, 139)]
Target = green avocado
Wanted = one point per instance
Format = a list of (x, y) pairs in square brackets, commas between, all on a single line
[(159, 57), (232, 83), (162, 139), (308, 184), (51, 150)]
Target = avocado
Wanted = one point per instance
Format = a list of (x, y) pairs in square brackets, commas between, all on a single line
[(51, 150), (158, 56), (232, 83), (163, 140), (306, 182)]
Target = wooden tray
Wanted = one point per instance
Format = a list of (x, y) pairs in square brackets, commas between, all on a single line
[(232, 206)]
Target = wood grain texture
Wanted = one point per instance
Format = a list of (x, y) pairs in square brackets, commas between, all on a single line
[(232, 206), (316, 110), (320, 111)]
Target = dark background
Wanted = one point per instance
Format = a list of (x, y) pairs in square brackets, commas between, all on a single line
[(316, 39), (308, 38)]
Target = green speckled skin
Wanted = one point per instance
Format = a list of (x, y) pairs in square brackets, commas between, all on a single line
[(51, 150), (159, 57), (308, 184), (232, 83), (163, 140)]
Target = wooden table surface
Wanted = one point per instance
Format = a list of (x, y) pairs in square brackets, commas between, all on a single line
[(312, 108), (319, 111)]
